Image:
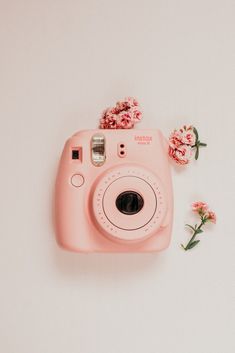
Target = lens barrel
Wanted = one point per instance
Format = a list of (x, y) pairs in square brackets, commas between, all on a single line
[(129, 202)]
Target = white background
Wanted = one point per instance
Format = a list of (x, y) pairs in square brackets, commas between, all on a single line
[(62, 63)]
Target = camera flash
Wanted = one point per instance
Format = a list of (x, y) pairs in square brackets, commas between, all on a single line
[(98, 150)]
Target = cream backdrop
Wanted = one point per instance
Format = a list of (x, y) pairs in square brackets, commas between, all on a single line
[(61, 63)]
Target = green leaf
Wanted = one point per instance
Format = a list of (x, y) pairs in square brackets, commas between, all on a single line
[(188, 225), (196, 134), (202, 144), (197, 153), (198, 231), (194, 243)]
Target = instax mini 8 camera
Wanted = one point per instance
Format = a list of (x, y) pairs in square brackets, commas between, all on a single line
[(114, 192)]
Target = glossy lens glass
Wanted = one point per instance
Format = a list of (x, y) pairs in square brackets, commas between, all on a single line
[(129, 202)]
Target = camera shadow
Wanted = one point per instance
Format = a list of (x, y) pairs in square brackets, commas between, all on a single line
[(106, 264)]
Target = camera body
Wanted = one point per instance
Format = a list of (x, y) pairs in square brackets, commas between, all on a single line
[(114, 192)]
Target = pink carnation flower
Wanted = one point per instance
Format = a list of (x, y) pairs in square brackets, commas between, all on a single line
[(113, 110), (187, 135), (108, 120), (175, 139), (211, 216), (200, 207), (182, 140), (125, 121), (183, 136), (122, 105), (181, 154), (127, 104), (132, 101), (123, 116), (136, 114)]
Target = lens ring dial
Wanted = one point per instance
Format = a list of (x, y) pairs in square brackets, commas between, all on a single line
[(128, 227)]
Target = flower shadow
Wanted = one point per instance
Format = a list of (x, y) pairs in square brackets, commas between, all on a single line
[(178, 168)]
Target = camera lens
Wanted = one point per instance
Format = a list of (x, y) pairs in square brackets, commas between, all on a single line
[(129, 202)]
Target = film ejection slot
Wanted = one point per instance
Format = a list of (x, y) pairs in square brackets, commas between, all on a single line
[(98, 150)]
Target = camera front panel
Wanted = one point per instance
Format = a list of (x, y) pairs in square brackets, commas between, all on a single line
[(114, 192)]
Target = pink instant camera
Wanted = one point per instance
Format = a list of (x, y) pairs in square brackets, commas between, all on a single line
[(114, 192)]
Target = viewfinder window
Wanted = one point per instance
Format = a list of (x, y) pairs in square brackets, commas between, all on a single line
[(75, 154)]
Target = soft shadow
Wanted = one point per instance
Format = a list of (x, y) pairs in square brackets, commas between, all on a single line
[(178, 168), (106, 264)]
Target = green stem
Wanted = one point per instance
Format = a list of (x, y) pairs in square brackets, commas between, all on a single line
[(203, 221)]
